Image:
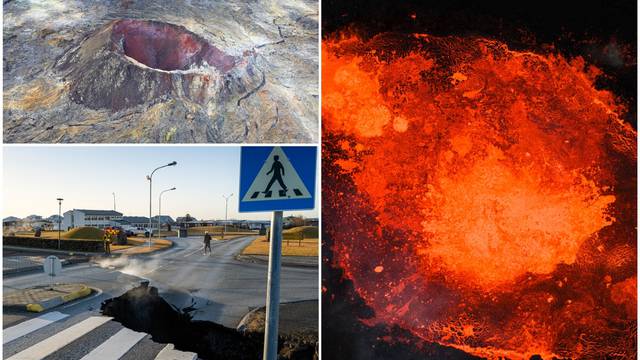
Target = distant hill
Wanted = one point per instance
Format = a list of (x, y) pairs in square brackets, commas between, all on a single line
[(310, 232), (84, 233)]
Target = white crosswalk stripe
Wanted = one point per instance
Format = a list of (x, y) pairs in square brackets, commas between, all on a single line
[(117, 345), (61, 339), (26, 327), (169, 353)]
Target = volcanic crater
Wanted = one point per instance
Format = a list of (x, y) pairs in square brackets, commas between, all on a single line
[(129, 62), (167, 47)]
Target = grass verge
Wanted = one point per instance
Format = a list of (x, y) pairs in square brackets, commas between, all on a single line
[(306, 247)]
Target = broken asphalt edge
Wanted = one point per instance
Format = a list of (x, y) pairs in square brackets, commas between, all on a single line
[(242, 325), (59, 300)]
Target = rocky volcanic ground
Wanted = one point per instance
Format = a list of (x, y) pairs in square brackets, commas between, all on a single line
[(160, 71)]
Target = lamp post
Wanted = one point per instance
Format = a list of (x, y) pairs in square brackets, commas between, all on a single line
[(226, 203), (114, 201), (150, 177), (160, 208), (59, 219)]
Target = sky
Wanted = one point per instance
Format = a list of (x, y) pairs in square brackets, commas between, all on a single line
[(86, 176)]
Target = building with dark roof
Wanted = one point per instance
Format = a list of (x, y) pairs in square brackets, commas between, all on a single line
[(94, 218)]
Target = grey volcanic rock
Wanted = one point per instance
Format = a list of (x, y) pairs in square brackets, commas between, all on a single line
[(122, 71)]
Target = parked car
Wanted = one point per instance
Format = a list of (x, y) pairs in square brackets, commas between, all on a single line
[(140, 231), (129, 230)]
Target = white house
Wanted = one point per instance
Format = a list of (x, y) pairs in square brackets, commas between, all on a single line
[(93, 218)]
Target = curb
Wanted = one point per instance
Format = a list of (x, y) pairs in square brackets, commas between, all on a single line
[(59, 300), (173, 243), (257, 260), (118, 254)]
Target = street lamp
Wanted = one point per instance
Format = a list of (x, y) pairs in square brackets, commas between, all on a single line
[(114, 201), (160, 208), (149, 177), (226, 202), (59, 219)]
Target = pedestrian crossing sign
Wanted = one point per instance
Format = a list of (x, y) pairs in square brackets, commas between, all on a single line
[(277, 178)]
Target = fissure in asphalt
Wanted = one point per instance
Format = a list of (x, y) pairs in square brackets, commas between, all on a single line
[(142, 309)]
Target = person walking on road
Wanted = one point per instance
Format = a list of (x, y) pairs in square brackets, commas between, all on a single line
[(207, 242)]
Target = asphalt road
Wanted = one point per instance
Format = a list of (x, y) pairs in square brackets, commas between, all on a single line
[(221, 288)]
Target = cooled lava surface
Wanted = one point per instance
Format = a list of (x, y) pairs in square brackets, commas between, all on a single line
[(479, 197), (160, 71)]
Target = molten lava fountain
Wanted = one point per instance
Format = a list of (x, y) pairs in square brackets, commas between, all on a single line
[(492, 202)]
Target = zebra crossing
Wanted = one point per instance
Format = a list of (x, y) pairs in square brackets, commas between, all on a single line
[(256, 195), (28, 326), (38, 338)]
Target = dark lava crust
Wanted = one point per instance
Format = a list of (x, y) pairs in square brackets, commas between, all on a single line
[(132, 62)]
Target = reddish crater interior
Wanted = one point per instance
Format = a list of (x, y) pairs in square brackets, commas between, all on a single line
[(167, 47)]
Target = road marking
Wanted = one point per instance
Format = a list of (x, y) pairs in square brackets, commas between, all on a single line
[(116, 346), (198, 250), (169, 353), (26, 327), (61, 339), (152, 270)]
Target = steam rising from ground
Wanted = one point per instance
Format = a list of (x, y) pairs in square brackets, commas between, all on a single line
[(130, 266)]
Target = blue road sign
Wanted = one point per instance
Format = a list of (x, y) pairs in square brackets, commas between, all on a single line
[(277, 178)]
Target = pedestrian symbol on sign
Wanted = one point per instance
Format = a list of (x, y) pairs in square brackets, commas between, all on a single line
[(276, 169)]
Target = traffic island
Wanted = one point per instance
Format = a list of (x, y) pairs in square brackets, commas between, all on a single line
[(44, 297), (139, 246), (295, 252), (142, 309)]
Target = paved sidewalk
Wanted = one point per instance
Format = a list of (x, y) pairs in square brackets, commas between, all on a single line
[(42, 297)]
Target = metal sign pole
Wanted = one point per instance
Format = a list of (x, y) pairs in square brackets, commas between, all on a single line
[(273, 289)]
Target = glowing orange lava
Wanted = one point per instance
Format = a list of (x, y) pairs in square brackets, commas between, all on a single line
[(503, 189)]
